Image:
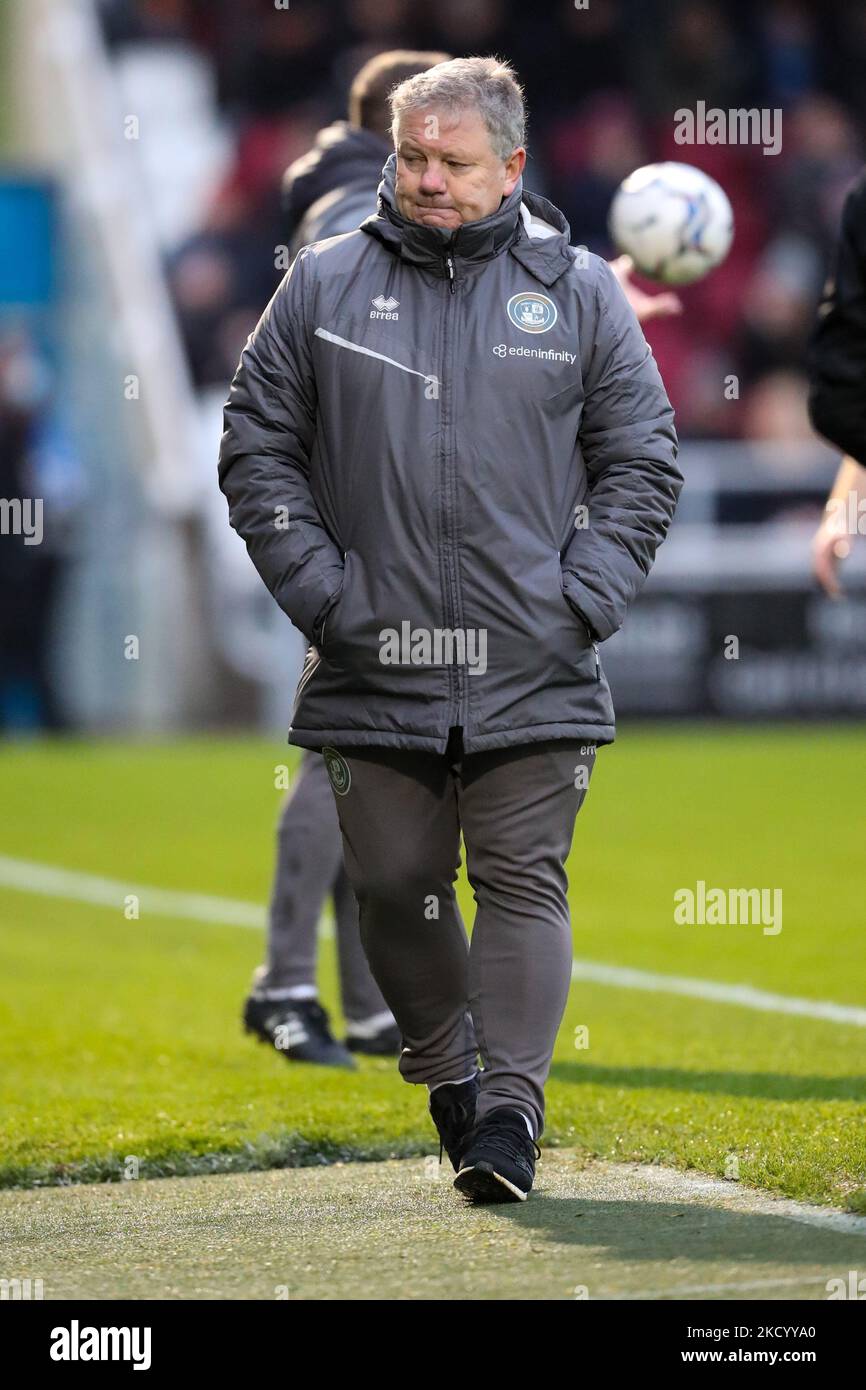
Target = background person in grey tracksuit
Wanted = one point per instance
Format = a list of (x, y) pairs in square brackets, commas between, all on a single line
[(326, 192), (452, 458)]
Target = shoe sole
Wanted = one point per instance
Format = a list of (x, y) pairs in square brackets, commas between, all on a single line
[(482, 1183)]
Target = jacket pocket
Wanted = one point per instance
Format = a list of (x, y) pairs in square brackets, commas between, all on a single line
[(326, 621), (583, 625), (575, 612), (329, 635)]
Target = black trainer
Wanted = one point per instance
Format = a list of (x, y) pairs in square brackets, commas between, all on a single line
[(452, 1106), (385, 1042), (298, 1028), (498, 1163)]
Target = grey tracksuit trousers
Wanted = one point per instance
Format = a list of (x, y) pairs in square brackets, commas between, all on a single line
[(401, 813), (309, 867)]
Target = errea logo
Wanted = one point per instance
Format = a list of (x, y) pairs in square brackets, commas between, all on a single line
[(384, 308)]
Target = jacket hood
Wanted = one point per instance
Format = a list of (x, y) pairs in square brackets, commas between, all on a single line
[(526, 225), (342, 154)]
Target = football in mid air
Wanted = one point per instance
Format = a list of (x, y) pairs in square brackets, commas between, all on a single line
[(673, 220)]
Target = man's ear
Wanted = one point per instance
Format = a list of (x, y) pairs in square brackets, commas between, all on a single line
[(514, 166)]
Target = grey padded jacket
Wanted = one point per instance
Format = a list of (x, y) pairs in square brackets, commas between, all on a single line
[(452, 459)]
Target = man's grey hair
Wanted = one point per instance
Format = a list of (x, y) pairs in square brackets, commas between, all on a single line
[(488, 85)]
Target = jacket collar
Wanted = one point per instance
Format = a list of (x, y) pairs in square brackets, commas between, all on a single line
[(473, 242)]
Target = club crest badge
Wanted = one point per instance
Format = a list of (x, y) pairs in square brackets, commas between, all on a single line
[(532, 313), (339, 774)]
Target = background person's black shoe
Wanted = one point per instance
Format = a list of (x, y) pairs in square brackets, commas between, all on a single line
[(498, 1163), (385, 1042), (297, 1028), (452, 1107)]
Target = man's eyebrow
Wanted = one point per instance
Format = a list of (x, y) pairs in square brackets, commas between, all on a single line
[(407, 144)]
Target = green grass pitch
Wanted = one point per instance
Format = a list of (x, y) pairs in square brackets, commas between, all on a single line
[(122, 1038)]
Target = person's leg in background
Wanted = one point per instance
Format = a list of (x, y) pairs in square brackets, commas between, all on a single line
[(283, 1007)]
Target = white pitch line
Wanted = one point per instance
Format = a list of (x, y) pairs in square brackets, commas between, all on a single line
[(677, 1291), (675, 1184), (28, 876), (745, 995)]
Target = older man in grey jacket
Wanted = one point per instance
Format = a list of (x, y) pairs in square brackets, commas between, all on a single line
[(452, 458)]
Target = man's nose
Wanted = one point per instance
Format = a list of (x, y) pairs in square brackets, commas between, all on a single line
[(433, 179)]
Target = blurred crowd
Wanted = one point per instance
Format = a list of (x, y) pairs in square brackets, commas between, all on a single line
[(603, 84)]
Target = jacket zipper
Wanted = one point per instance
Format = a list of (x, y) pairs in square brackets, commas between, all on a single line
[(310, 667), (594, 645), (455, 679), (462, 677)]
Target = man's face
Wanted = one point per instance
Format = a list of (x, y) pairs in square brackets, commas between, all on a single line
[(447, 173)]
